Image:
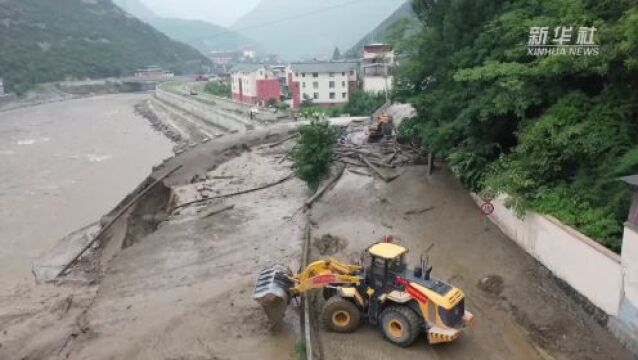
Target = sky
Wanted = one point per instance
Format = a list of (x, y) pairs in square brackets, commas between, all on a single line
[(221, 12)]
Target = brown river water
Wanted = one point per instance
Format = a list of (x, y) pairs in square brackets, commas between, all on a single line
[(62, 166)]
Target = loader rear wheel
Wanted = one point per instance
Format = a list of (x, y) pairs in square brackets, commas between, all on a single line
[(340, 315), (400, 325)]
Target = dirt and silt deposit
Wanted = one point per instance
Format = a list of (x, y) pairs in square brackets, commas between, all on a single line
[(175, 282)]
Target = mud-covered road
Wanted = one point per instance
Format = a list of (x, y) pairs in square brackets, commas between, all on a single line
[(521, 314)]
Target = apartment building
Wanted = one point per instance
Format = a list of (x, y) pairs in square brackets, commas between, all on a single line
[(326, 84), (377, 68), (254, 84)]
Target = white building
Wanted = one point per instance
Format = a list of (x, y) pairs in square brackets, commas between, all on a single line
[(254, 83), (325, 83), (377, 68)]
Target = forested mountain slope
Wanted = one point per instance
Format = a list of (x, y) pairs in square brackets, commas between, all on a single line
[(552, 131), (44, 41)]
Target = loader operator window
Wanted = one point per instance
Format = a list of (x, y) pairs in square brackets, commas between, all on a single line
[(378, 272), (397, 266)]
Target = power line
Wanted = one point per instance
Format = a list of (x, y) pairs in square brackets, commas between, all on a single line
[(273, 22)]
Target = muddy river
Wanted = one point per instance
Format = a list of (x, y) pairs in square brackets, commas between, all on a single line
[(62, 166)]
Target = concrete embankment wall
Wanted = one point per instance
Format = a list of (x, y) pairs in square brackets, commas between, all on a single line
[(605, 283), (202, 111)]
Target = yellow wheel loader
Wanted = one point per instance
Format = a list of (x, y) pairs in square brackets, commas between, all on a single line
[(403, 303)]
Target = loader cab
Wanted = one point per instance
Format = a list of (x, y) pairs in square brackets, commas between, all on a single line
[(383, 262)]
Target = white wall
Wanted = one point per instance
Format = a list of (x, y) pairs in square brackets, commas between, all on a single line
[(630, 268), (248, 80), (307, 88), (377, 84), (588, 267), (323, 79)]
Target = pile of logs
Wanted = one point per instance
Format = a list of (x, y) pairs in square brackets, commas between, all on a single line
[(387, 154)]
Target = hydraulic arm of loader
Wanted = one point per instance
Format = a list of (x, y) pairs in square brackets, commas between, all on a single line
[(276, 285), (323, 272)]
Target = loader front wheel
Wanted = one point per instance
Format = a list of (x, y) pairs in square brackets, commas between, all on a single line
[(400, 325), (340, 315)]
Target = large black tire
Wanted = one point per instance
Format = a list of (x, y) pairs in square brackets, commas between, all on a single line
[(400, 325), (329, 292), (340, 315)]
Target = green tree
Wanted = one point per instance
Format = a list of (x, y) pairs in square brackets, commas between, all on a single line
[(363, 103), (336, 54), (553, 132), (313, 153)]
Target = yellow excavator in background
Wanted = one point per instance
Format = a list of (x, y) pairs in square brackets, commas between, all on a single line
[(403, 303)]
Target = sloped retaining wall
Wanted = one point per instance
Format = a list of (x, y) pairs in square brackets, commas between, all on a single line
[(201, 110)]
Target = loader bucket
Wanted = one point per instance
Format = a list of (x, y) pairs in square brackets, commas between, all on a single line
[(272, 291)]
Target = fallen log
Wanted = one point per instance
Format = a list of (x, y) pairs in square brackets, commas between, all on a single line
[(419, 211), (217, 211), (286, 156), (223, 196), (378, 172), (275, 144), (359, 172), (324, 187), (349, 161)]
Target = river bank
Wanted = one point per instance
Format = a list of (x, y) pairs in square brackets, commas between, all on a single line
[(64, 165)]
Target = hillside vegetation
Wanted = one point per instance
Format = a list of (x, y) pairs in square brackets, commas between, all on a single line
[(402, 23), (76, 39), (553, 132)]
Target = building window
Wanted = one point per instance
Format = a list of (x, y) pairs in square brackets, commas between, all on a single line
[(303, 74), (343, 84), (315, 96), (331, 84), (351, 72), (303, 84), (315, 84), (332, 74), (343, 74), (332, 96), (344, 95), (315, 74)]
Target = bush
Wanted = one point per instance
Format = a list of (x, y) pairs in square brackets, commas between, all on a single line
[(313, 154), (363, 103), (217, 89), (272, 102)]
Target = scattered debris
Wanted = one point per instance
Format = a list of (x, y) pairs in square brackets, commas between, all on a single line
[(419, 211), (217, 211), (492, 284), (328, 244), (324, 187), (275, 144), (284, 179), (381, 175)]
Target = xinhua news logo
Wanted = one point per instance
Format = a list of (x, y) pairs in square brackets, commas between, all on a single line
[(562, 42)]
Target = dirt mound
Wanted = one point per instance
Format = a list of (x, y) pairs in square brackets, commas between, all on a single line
[(328, 244), (492, 284)]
